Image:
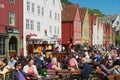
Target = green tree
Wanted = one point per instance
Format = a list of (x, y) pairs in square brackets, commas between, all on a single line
[(117, 39), (95, 11)]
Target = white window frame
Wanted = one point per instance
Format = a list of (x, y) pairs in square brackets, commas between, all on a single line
[(28, 5), (38, 26), (50, 14), (33, 7), (27, 23), (38, 9), (31, 25), (50, 29), (12, 18), (42, 10)]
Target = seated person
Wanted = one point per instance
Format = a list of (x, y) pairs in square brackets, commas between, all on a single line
[(31, 69), (17, 74), (12, 61), (73, 62), (109, 65), (4, 68), (105, 70), (85, 70), (54, 64)]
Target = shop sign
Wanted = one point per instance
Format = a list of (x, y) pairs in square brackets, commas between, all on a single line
[(10, 30), (16, 31)]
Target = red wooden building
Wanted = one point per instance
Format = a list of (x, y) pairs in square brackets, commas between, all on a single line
[(107, 37), (71, 25), (11, 27)]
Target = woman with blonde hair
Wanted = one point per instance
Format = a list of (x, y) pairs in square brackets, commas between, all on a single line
[(54, 64)]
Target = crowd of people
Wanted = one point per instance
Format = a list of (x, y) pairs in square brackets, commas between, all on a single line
[(105, 59)]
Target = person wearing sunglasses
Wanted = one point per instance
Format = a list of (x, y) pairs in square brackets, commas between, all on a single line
[(17, 73)]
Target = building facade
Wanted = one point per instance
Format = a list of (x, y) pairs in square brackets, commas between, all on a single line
[(71, 25), (42, 22), (100, 33), (11, 13), (85, 25)]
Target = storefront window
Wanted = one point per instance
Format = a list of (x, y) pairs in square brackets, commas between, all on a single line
[(2, 45)]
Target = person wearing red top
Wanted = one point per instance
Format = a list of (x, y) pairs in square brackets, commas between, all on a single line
[(31, 69)]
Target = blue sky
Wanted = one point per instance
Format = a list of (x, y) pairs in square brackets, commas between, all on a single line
[(107, 7)]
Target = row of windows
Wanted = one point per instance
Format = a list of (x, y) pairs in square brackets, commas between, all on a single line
[(2, 45), (30, 26), (56, 29), (40, 10), (31, 8), (56, 15)]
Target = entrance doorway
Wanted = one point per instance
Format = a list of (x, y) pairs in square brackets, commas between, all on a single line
[(13, 46)]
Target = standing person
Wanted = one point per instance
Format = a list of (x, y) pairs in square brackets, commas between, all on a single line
[(31, 69), (68, 52), (17, 74)]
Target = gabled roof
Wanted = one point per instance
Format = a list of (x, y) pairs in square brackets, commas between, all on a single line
[(109, 18), (69, 11), (82, 13)]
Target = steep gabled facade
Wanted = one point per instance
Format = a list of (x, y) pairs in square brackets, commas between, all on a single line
[(116, 24), (71, 25), (85, 25), (116, 29), (108, 30)]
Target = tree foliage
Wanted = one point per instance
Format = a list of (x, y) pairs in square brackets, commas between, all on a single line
[(117, 39), (96, 12)]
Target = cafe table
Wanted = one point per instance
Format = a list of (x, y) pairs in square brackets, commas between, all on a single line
[(49, 77), (75, 73), (63, 74)]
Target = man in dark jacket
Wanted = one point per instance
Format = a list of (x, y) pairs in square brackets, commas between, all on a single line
[(85, 70), (17, 74)]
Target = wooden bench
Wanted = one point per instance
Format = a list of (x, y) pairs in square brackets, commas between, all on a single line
[(111, 77), (117, 77), (1, 77)]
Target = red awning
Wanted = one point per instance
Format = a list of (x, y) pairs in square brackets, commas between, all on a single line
[(32, 36)]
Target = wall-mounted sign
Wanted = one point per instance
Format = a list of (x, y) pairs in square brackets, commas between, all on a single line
[(10, 30), (16, 31), (2, 5)]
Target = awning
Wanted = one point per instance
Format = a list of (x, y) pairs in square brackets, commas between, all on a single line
[(32, 36), (45, 38), (35, 38)]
